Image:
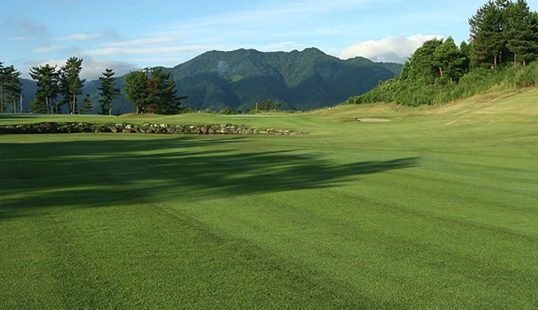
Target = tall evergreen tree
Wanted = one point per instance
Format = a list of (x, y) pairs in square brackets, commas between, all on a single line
[(13, 86), (162, 93), (107, 91), (487, 38), (71, 84), (521, 32), (46, 78)]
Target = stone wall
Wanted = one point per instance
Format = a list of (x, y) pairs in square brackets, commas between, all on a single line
[(53, 127)]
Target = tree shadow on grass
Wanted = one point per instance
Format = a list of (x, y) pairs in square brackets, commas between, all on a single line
[(127, 171)]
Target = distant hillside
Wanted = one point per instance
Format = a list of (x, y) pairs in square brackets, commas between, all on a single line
[(238, 79), (299, 80)]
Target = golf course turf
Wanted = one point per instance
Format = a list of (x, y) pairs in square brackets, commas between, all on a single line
[(430, 208)]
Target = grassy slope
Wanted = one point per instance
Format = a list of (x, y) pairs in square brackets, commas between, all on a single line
[(437, 208)]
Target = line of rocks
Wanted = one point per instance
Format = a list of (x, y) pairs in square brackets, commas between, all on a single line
[(54, 127)]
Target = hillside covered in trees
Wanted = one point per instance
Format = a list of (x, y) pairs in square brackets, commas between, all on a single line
[(502, 50), (303, 80)]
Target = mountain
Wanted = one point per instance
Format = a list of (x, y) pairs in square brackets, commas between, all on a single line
[(303, 80), (298, 80)]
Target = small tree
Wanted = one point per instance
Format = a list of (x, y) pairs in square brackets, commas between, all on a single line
[(86, 105), (108, 91)]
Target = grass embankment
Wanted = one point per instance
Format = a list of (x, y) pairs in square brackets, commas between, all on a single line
[(437, 208)]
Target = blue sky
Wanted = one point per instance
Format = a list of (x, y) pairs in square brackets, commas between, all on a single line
[(126, 35)]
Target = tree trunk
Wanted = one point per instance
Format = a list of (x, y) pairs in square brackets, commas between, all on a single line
[(441, 71), (74, 104), (1, 99)]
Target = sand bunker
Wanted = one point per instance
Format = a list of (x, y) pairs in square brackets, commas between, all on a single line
[(373, 120)]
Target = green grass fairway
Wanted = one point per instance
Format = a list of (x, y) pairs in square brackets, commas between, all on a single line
[(435, 209)]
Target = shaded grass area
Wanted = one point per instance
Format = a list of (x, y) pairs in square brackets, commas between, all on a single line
[(93, 229)]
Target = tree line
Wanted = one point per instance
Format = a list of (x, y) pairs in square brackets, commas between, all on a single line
[(503, 42), (150, 90)]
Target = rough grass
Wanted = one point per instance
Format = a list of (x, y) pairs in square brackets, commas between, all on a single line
[(436, 209)]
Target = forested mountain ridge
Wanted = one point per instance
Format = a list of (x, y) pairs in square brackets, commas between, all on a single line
[(303, 80)]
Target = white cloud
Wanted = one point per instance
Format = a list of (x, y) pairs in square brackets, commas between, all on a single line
[(93, 69), (281, 46), (391, 49), (48, 49), (149, 50), (21, 38), (145, 41), (81, 36)]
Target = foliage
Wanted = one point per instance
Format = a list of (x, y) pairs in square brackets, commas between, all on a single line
[(107, 91), (10, 87), (439, 71), (267, 105), (162, 97), (521, 32), (47, 79), (136, 84), (86, 105), (70, 83), (2, 82), (299, 80), (153, 91)]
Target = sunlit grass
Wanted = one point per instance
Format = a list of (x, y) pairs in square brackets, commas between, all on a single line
[(437, 208)]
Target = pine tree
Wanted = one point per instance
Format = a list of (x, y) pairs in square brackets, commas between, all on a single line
[(163, 97), (13, 85), (71, 84), (86, 105), (46, 78), (521, 32), (487, 38), (108, 92)]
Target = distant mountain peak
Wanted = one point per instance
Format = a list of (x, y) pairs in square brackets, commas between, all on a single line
[(300, 80)]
